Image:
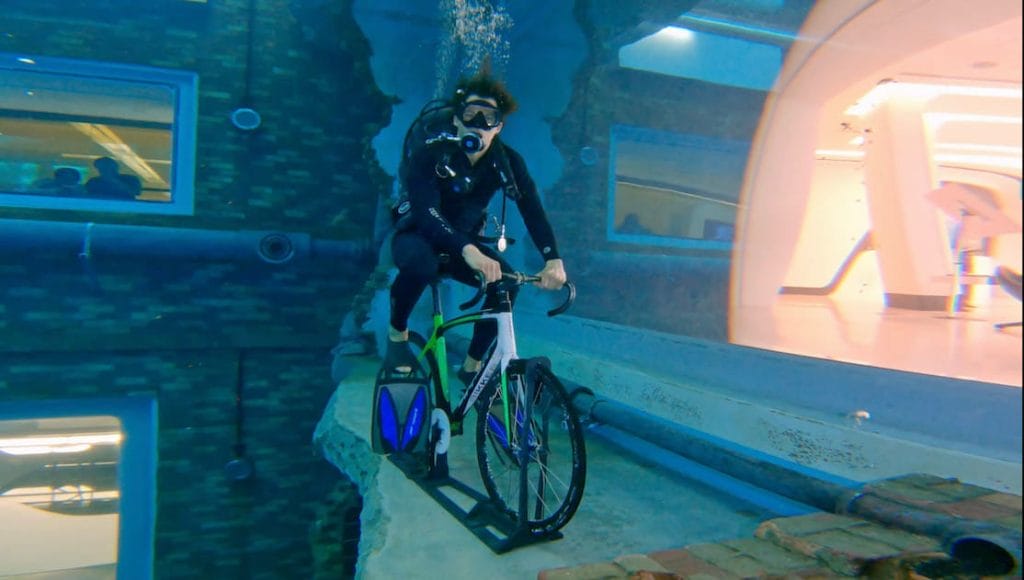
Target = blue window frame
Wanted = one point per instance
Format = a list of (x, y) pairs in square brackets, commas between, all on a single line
[(55, 457), (673, 189), (95, 136)]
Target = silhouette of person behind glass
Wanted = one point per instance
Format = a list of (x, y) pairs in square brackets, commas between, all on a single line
[(631, 225), (66, 181), (111, 183)]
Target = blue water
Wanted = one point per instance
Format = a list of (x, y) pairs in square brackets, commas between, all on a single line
[(216, 311)]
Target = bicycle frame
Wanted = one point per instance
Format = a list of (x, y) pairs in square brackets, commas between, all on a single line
[(513, 444), (504, 351)]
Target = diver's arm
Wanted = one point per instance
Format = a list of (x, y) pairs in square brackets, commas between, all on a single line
[(532, 210)]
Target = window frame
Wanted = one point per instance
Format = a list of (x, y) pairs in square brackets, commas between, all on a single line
[(620, 130), (184, 86), (137, 468)]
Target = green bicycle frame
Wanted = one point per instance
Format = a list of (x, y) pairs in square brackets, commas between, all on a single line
[(504, 351)]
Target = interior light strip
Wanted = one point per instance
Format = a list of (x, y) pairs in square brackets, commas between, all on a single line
[(1005, 150), (105, 137), (1003, 161), (986, 160), (839, 153), (943, 118), (90, 438), (57, 443), (885, 90)]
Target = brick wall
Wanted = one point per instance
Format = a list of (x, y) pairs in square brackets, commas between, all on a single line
[(310, 166), (207, 525), (176, 326)]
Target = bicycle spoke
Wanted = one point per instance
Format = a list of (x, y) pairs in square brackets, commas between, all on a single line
[(549, 440)]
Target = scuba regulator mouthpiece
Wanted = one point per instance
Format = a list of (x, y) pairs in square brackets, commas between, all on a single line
[(471, 143)]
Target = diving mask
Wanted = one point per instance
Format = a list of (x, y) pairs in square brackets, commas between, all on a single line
[(480, 115)]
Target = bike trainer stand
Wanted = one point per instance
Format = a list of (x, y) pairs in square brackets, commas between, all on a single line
[(496, 528)]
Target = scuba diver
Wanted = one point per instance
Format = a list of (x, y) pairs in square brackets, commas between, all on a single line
[(448, 185)]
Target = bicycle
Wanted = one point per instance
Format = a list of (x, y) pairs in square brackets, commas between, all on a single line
[(534, 471)]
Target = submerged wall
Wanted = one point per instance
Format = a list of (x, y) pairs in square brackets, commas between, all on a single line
[(680, 291), (191, 328)]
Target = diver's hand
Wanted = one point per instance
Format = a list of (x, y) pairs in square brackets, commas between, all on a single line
[(552, 277), (476, 260)]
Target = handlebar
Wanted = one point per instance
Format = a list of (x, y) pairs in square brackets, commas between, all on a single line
[(520, 279)]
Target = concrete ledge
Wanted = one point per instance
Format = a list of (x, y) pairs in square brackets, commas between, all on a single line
[(403, 528), (350, 451)]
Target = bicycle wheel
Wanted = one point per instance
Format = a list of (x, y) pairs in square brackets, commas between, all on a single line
[(550, 443)]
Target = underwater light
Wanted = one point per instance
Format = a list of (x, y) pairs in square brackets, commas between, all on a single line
[(676, 33), (245, 119)]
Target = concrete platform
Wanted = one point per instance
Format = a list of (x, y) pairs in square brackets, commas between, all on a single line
[(639, 502), (628, 506)]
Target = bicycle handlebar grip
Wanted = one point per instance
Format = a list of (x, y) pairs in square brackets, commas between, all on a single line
[(568, 300)]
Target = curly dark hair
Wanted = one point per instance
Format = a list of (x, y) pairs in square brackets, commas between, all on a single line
[(484, 84)]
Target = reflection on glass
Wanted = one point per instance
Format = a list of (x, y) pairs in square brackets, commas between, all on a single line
[(668, 188), (83, 135), (59, 496)]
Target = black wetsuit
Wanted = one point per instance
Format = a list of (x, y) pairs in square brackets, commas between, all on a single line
[(449, 199)]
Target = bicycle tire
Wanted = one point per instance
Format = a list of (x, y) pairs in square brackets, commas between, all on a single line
[(556, 460)]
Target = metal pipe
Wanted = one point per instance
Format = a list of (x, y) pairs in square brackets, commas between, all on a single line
[(95, 240), (796, 482)]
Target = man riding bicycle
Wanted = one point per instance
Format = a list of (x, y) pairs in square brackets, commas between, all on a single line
[(449, 186)]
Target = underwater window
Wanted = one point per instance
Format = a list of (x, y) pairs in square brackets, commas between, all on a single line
[(86, 135), (673, 189), (77, 488)]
